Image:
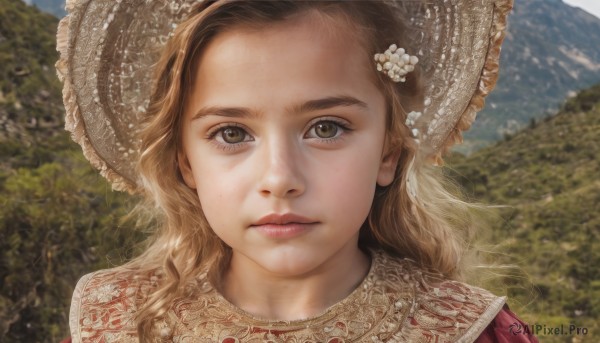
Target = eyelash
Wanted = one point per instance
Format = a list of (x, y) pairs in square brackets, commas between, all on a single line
[(211, 135)]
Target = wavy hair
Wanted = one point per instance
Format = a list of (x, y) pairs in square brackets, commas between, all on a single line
[(416, 217)]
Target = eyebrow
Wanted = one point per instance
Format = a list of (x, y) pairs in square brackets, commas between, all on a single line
[(308, 106), (329, 102)]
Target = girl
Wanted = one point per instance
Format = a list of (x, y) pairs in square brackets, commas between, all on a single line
[(285, 149)]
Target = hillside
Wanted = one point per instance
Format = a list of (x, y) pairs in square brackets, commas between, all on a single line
[(58, 218), (548, 174), (30, 107)]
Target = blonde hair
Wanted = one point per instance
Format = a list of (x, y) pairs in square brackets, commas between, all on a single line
[(415, 217)]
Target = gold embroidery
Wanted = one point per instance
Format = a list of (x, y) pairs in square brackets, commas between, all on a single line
[(396, 302)]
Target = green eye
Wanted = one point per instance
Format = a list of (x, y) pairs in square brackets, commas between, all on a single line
[(326, 129), (233, 135)]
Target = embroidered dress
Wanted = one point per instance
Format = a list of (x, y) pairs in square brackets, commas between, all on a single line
[(396, 302)]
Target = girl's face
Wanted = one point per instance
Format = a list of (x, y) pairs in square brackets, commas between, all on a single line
[(285, 121)]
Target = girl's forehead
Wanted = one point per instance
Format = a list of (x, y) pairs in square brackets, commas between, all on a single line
[(303, 55), (308, 30), (337, 26)]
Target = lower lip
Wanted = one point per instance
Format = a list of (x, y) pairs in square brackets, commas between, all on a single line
[(283, 231)]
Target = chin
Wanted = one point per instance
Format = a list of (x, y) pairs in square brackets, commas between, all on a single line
[(289, 262)]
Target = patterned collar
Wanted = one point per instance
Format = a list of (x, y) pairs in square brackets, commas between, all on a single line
[(396, 302)]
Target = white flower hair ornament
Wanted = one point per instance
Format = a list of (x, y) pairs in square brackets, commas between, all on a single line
[(396, 63)]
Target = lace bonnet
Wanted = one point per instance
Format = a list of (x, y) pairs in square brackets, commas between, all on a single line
[(107, 50)]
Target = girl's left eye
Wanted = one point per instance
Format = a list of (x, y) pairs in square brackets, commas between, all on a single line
[(326, 129)]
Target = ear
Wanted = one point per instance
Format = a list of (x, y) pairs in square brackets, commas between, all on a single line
[(387, 167), (185, 169)]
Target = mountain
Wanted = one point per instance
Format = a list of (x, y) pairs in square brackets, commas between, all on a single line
[(548, 176), (551, 51), (55, 7)]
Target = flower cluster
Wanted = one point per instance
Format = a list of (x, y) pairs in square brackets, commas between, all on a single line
[(411, 119), (396, 63)]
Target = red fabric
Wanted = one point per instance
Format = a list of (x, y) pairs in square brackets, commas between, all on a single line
[(66, 340), (507, 328)]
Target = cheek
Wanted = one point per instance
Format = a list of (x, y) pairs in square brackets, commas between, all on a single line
[(350, 182), (217, 191)]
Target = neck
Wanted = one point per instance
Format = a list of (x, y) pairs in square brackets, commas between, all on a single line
[(280, 297)]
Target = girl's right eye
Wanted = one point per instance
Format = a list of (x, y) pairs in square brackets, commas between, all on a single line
[(233, 135), (229, 135)]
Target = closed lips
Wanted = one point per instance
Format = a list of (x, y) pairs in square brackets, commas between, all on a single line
[(283, 219)]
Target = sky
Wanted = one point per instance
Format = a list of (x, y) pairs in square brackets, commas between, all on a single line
[(590, 6)]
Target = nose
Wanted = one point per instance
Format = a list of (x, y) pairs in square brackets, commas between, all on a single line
[(281, 173)]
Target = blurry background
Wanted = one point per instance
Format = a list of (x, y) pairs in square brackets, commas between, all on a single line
[(536, 147)]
